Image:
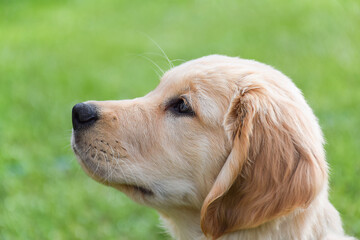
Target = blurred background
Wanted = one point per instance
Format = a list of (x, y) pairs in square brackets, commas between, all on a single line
[(54, 54)]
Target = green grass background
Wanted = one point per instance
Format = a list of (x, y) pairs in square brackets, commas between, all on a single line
[(56, 53)]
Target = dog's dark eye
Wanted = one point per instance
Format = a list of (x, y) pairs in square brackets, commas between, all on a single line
[(181, 106)]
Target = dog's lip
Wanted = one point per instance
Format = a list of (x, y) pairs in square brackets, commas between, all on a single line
[(145, 191)]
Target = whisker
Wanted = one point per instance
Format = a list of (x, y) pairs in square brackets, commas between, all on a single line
[(87, 150), (113, 158), (98, 163), (67, 146), (107, 167), (162, 56), (178, 60), (158, 46), (134, 178), (108, 163), (154, 63), (117, 160)]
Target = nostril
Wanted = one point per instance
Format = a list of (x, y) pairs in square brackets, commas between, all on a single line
[(83, 115), (84, 112)]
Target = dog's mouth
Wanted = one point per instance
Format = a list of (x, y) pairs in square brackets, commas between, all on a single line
[(143, 190), (99, 171), (135, 188)]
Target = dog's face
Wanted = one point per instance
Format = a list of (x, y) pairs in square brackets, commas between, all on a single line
[(165, 148), (231, 137)]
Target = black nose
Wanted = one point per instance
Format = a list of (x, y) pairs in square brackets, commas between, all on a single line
[(83, 115)]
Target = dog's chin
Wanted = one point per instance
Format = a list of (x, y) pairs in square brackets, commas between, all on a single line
[(136, 192), (90, 169)]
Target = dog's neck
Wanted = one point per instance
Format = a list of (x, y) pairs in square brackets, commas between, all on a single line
[(184, 224)]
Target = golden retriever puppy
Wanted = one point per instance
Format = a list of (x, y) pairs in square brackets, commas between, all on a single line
[(223, 148)]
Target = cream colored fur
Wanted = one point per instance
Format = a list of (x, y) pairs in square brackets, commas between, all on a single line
[(248, 164)]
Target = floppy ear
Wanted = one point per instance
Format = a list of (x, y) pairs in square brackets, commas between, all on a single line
[(276, 164)]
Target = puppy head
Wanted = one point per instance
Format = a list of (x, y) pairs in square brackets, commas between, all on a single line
[(230, 137), (164, 149)]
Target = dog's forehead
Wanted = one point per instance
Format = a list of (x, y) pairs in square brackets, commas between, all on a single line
[(199, 74)]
